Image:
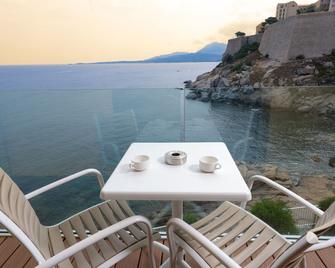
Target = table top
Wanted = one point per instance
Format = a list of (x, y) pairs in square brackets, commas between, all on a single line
[(186, 182)]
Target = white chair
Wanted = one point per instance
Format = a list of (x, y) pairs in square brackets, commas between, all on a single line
[(232, 237), (99, 236)]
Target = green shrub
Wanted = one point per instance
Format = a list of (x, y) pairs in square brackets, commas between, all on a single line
[(228, 59), (248, 62), (190, 217), (271, 20), (325, 203), (239, 34), (237, 68), (246, 50), (310, 9), (276, 214), (300, 57)]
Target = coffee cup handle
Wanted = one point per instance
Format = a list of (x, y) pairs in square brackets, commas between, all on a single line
[(131, 165), (218, 166)]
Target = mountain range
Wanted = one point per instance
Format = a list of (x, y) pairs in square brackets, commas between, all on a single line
[(210, 53)]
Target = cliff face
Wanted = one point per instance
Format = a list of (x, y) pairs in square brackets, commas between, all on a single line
[(303, 85)]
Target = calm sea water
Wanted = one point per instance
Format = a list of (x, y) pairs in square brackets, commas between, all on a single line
[(58, 119)]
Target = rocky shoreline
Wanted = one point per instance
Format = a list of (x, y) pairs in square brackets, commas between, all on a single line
[(301, 85), (313, 188), (316, 100)]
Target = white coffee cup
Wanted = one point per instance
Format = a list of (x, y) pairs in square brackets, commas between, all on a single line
[(139, 162), (209, 164)]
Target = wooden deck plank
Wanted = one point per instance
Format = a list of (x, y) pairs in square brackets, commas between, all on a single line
[(19, 258), (2, 239), (12, 254), (327, 256), (313, 260), (30, 263), (144, 260), (7, 249), (164, 256)]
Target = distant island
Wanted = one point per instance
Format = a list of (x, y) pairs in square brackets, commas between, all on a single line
[(210, 53)]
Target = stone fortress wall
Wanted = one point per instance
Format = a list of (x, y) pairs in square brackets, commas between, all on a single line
[(310, 35), (234, 45)]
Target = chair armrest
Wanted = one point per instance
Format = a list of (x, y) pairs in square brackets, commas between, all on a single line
[(284, 190), (70, 251), (67, 179), (175, 223), (322, 245)]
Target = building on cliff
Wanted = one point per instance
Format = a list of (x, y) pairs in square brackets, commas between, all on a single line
[(332, 6), (286, 10), (290, 9), (322, 5)]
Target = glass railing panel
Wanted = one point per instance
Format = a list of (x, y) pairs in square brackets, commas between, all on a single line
[(291, 148), (49, 134)]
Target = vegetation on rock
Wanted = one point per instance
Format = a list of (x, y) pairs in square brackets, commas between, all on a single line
[(309, 9), (325, 203), (190, 217), (266, 22), (239, 34), (246, 50), (276, 214), (271, 20)]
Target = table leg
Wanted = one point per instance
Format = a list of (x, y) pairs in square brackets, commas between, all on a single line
[(177, 209)]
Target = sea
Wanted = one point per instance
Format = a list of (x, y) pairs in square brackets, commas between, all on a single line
[(56, 120)]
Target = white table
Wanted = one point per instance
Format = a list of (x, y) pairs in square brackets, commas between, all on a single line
[(177, 183)]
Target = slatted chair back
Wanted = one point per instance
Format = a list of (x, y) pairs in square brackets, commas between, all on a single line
[(17, 215), (293, 256), (327, 216)]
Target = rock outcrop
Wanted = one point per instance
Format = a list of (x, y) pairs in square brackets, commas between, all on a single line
[(313, 188), (332, 162), (302, 85)]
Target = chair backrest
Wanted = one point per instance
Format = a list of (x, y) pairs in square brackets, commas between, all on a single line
[(17, 213), (327, 216), (293, 256)]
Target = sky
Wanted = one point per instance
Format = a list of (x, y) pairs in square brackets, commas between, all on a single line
[(72, 31)]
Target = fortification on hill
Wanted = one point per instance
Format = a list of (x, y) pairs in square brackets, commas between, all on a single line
[(309, 35)]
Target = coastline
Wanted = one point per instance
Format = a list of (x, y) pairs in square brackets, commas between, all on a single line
[(318, 100)]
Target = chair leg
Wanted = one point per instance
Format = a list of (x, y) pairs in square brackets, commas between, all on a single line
[(180, 257)]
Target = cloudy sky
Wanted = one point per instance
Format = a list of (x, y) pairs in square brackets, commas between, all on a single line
[(69, 31)]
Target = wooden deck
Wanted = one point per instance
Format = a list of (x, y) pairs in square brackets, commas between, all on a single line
[(15, 255)]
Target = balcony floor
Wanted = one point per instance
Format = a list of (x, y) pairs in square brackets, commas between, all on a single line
[(13, 254)]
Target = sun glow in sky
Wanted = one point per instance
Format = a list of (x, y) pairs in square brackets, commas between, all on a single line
[(70, 31)]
